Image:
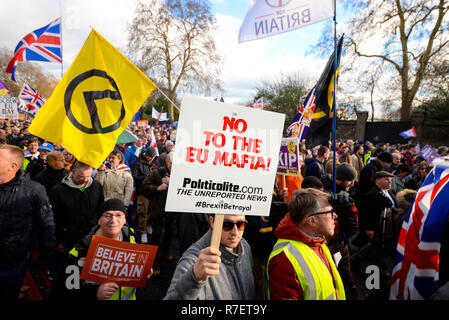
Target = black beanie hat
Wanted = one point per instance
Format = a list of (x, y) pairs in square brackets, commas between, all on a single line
[(113, 204), (346, 172)]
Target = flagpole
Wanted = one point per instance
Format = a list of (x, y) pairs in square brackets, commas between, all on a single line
[(62, 55), (334, 105), (168, 98)]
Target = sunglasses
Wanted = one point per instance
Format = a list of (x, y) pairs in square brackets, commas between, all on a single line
[(228, 225), (324, 212)]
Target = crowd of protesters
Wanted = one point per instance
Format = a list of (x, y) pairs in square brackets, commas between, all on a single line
[(53, 204)]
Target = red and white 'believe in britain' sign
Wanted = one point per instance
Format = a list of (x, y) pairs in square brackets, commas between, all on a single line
[(127, 264)]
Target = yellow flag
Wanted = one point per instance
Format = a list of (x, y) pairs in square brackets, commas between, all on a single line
[(94, 102)]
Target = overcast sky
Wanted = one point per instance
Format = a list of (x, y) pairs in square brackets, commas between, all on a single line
[(245, 64)]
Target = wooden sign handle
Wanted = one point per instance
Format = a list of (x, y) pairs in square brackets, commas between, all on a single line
[(216, 233)]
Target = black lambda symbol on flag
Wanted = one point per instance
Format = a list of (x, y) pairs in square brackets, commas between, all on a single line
[(89, 98)]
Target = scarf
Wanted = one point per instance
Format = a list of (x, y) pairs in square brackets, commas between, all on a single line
[(120, 167)]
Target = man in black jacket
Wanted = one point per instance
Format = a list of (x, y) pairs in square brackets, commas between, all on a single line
[(366, 179), (155, 187), (346, 226), (260, 235), (24, 211), (75, 203), (55, 171), (14, 138), (315, 166), (376, 203), (378, 198), (140, 169), (38, 160)]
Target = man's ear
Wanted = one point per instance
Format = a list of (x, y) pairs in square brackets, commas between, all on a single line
[(211, 221), (310, 220), (14, 166)]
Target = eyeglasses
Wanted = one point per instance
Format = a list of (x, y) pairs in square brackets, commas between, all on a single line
[(111, 216), (324, 212), (228, 225)]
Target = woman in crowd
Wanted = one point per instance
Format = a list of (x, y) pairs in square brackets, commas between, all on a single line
[(116, 178)]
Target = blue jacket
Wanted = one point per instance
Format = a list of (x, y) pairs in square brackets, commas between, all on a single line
[(130, 158)]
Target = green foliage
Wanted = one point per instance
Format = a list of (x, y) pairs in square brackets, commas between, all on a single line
[(159, 103), (283, 96), (437, 107)]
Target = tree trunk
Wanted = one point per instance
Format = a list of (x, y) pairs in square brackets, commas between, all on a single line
[(171, 114), (406, 107)]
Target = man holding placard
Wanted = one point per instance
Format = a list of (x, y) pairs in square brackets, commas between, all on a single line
[(225, 163), (104, 260), (205, 273)]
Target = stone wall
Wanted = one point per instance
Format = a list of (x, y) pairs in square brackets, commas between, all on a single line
[(346, 129), (432, 133)]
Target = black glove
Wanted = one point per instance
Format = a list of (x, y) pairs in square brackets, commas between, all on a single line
[(341, 200)]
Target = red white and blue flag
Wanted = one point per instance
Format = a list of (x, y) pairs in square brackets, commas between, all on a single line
[(304, 116), (43, 44), (153, 142), (120, 167), (31, 96), (258, 104), (407, 134), (416, 269), (30, 100)]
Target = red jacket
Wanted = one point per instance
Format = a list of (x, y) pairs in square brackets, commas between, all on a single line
[(284, 284), (409, 159)]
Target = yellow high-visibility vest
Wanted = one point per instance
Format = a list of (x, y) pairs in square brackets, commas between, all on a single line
[(124, 293), (316, 281)]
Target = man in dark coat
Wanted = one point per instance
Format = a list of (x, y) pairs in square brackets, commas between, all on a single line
[(374, 202), (260, 235), (24, 211), (55, 171), (377, 203), (14, 138), (373, 206), (315, 166), (346, 225), (75, 203), (38, 163), (140, 169), (155, 188), (366, 179)]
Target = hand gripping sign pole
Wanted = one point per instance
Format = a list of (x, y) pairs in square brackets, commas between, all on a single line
[(216, 233)]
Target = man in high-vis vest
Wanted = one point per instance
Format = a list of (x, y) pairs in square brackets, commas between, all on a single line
[(300, 266), (111, 224)]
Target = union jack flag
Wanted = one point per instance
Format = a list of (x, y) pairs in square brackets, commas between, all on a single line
[(304, 116), (258, 104), (416, 269), (43, 44), (31, 96)]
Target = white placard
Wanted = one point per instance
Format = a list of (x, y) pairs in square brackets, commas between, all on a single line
[(8, 108), (225, 159)]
